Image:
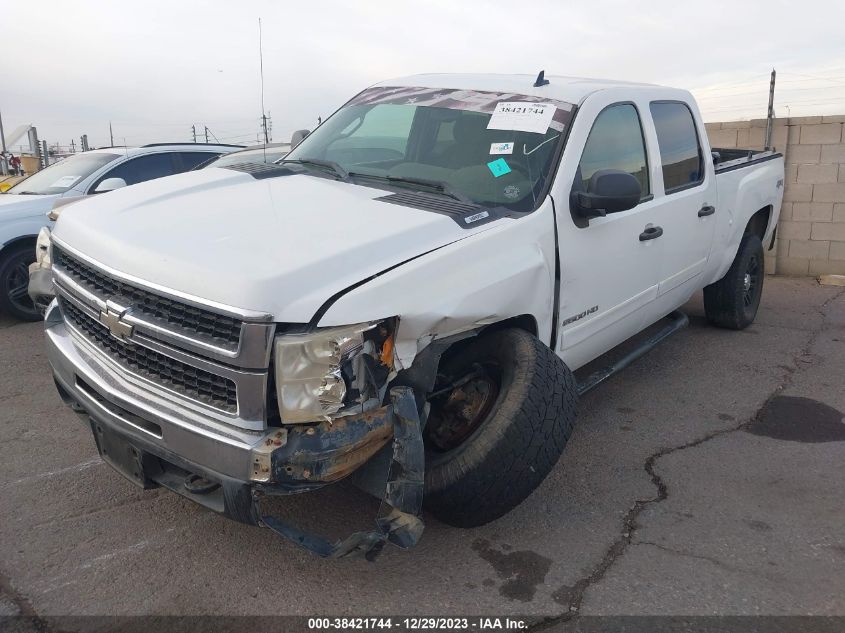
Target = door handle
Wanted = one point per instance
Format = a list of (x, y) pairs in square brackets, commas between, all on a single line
[(651, 233), (706, 210)]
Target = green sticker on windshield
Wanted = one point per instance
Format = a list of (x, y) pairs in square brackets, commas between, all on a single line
[(499, 167)]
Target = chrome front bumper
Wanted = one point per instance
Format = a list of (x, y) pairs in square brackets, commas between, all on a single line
[(163, 444), (157, 421)]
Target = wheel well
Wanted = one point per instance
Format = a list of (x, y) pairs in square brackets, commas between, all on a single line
[(27, 240), (759, 222), (523, 322)]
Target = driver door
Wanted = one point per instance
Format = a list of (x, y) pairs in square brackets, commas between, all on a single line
[(609, 266)]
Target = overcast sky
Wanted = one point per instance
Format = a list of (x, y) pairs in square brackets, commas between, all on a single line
[(154, 68)]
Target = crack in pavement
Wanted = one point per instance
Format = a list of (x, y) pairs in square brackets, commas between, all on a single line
[(709, 559), (629, 522)]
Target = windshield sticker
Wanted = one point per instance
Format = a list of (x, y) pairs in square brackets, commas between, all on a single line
[(471, 100), (65, 181), (501, 148), (522, 117), (475, 217), (511, 192), (499, 167)]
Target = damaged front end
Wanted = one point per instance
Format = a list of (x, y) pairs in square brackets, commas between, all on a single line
[(331, 398), (318, 458)]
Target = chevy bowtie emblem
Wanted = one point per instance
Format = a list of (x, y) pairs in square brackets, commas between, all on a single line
[(111, 318)]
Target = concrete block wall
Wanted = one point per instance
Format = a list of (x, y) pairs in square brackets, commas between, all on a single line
[(811, 232)]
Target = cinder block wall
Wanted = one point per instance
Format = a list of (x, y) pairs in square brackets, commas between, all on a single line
[(811, 232)]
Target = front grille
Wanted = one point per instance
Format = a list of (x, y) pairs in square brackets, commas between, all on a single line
[(223, 330), (170, 373)]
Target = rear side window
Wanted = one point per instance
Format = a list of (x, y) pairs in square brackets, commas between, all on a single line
[(192, 159), (680, 151), (616, 142)]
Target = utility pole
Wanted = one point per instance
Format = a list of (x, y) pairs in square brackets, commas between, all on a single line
[(111, 135), (771, 113), (4, 166), (194, 132), (206, 134)]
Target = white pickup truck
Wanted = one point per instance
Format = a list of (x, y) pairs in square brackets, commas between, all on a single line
[(404, 298)]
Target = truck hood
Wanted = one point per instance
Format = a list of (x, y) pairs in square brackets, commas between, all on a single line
[(15, 206), (281, 246)]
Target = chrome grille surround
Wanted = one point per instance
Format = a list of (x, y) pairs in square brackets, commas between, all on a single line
[(225, 379)]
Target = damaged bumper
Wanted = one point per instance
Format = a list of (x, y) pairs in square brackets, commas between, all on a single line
[(153, 442)]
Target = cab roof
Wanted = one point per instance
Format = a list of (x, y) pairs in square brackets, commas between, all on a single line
[(569, 89)]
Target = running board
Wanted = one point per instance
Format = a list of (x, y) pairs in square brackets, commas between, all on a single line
[(677, 321)]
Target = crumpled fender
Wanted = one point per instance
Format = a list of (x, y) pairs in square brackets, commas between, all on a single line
[(503, 272)]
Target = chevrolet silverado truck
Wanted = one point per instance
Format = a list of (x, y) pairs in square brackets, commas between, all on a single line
[(403, 299)]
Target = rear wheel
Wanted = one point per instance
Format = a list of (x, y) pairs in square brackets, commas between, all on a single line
[(732, 302), (14, 281), (501, 414)]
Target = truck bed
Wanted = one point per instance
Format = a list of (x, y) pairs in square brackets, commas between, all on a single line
[(726, 159)]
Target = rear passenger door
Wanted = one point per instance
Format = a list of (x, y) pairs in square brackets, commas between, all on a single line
[(685, 193)]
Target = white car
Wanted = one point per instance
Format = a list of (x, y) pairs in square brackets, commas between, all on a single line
[(24, 207), (404, 298)]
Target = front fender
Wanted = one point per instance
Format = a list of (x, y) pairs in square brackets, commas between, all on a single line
[(504, 272)]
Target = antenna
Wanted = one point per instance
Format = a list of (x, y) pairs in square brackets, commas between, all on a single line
[(541, 80), (261, 67)]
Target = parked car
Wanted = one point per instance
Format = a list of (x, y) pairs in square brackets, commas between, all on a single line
[(24, 207), (259, 154), (404, 298)]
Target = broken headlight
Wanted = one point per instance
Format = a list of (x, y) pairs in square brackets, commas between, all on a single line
[(333, 372)]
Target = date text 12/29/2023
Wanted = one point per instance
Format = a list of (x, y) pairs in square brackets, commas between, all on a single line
[(418, 623)]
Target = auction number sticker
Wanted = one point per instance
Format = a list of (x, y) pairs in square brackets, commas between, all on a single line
[(522, 117)]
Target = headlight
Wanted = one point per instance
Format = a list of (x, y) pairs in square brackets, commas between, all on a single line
[(332, 371), (42, 248)]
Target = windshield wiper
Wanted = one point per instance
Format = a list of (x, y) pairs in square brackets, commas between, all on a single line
[(328, 164), (439, 186), (28, 193)]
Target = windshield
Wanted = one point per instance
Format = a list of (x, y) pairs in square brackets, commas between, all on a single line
[(492, 148), (61, 176), (259, 156)]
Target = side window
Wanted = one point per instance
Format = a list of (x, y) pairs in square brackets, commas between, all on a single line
[(616, 142), (680, 151), (192, 159), (141, 169)]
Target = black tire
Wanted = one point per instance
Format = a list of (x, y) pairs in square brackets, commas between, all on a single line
[(517, 442), (14, 280), (732, 302)]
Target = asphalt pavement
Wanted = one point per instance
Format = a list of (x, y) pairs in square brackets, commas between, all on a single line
[(708, 478)]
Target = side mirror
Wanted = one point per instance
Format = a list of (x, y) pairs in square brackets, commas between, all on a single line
[(110, 184), (297, 137), (609, 191)]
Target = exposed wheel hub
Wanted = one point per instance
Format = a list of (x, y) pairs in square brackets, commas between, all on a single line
[(461, 410)]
